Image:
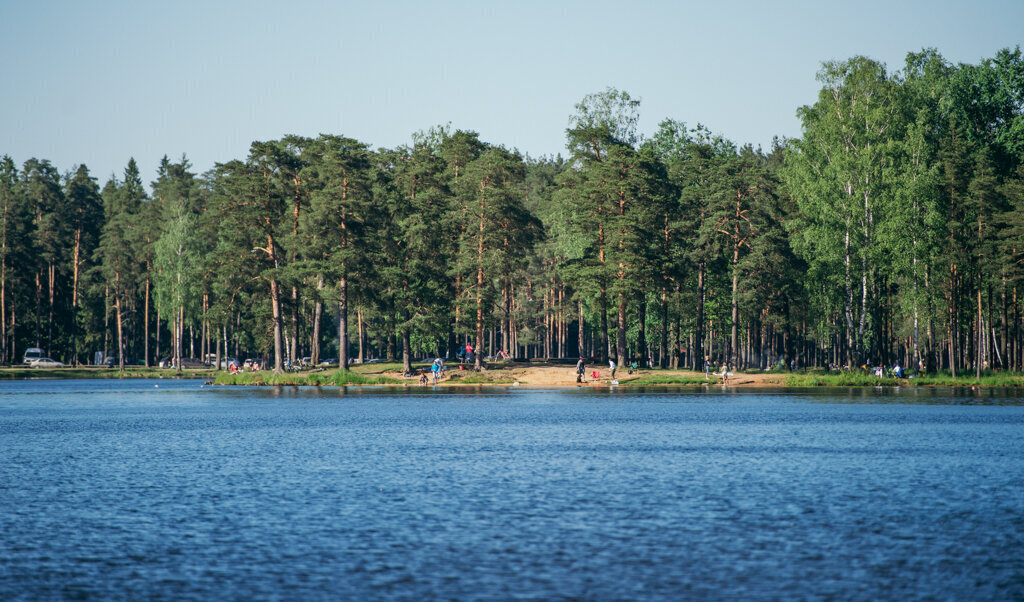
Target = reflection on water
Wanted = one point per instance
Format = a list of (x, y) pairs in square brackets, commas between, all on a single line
[(135, 489)]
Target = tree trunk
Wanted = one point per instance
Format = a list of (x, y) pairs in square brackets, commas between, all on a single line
[(362, 334), (145, 328), (4, 356), (74, 296), (157, 348), (117, 313), (621, 358), (735, 307), (406, 351), (848, 307), (51, 278), (641, 339), (343, 323), (3, 307), (179, 335), (293, 353), (477, 364), (39, 309), (275, 307), (605, 344), (980, 336), (663, 353), (580, 344), (314, 343), (699, 354), (952, 320)]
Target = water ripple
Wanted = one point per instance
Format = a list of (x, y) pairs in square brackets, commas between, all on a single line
[(187, 493)]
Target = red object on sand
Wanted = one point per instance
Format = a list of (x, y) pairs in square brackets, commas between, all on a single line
[(597, 374)]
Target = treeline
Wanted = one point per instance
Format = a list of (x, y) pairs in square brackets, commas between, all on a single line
[(892, 230)]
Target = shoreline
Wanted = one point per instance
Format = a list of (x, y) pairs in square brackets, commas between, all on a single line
[(518, 375), (101, 373), (561, 376)]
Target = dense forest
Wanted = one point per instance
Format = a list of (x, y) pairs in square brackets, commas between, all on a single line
[(891, 230)]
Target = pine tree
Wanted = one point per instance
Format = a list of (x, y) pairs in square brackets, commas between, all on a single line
[(336, 227), (16, 251), (496, 231), (85, 209)]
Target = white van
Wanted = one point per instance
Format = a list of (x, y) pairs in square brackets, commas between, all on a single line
[(32, 354)]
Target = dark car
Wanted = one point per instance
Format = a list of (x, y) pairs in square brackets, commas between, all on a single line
[(192, 363)]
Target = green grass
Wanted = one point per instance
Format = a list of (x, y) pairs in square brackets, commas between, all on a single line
[(380, 367), (862, 379), (19, 373), (668, 379), (480, 378), (331, 378)]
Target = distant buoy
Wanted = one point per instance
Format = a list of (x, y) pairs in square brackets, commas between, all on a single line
[(156, 386)]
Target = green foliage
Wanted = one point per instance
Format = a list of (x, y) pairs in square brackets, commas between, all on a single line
[(891, 227)]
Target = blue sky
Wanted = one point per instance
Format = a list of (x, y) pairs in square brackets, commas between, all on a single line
[(100, 82)]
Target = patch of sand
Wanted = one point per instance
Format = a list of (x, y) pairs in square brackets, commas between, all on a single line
[(565, 376)]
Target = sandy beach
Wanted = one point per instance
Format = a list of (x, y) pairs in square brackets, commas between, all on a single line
[(565, 376)]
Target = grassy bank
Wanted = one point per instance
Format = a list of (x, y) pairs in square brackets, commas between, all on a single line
[(323, 378), (654, 378), (20, 373), (861, 379), (479, 378)]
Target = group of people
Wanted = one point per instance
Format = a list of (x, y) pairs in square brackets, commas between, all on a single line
[(437, 370), (896, 371), (725, 374), (581, 370), (234, 367)]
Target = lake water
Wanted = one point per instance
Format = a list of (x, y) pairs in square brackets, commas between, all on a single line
[(172, 490)]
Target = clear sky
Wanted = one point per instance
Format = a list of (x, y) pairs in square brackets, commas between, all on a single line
[(100, 82)]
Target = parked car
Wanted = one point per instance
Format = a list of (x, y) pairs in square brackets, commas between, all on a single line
[(192, 363), (111, 361), (45, 362), (32, 354), (329, 362)]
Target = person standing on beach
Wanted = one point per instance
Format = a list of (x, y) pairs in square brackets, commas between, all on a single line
[(579, 370), (611, 366)]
